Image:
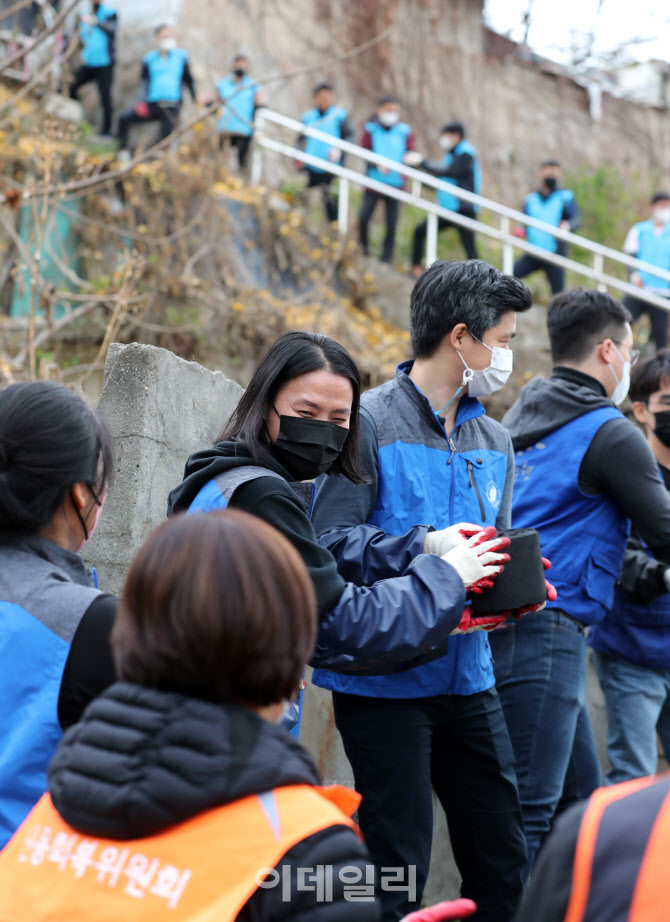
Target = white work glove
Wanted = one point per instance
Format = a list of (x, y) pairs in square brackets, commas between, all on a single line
[(412, 158), (445, 540), (334, 154), (477, 563)]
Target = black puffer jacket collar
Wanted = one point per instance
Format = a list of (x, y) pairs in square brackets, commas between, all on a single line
[(142, 760)]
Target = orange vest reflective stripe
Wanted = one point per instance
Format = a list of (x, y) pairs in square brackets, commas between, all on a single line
[(648, 888), (205, 868)]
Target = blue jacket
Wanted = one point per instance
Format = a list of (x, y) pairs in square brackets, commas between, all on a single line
[(98, 43), (473, 183), (238, 115), (358, 627), (391, 143), (583, 536), (44, 593), (165, 75), (655, 249), (329, 122), (418, 473), (556, 207)]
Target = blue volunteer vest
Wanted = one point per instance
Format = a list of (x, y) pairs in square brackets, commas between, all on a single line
[(655, 249), (583, 536), (165, 75), (391, 143), (445, 199), (237, 116), (418, 483), (549, 210), (330, 123), (96, 51)]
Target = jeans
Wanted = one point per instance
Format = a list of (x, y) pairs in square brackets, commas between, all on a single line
[(540, 667), (368, 205), (529, 264), (657, 317), (397, 748), (638, 705), (420, 231)]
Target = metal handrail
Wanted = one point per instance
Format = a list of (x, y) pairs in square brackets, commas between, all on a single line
[(434, 211)]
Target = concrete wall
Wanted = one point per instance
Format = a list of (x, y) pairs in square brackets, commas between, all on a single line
[(159, 409)]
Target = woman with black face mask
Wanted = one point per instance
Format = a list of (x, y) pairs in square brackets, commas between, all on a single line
[(298, 419)]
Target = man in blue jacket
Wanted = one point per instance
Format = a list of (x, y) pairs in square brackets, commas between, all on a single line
[(632, 642), (386, 135), (97, 31), (331, 119), (460, 166), (164, 71), (583, 473), (650, 241), (241, 96), (554, 206), (433, 456)]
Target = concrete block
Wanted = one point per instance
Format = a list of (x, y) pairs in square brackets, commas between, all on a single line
[(159, 409)]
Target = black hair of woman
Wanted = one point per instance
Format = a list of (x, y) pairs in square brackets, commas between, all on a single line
[(294, 354)]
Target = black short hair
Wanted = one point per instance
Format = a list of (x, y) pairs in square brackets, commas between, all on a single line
[(294, 354), (660, 197), (470, 292), (549, 163), (322, 86), (163, 25), (649, 376), (454, 128), (240, 57), (579, 319), (383, 100), (50, 439)]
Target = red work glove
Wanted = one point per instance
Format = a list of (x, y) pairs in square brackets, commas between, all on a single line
[(519, 232), (470, 622), (142, 109), (441, 912)]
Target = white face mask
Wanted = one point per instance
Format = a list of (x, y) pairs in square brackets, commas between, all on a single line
[(167, 44), (484, 381), (662, 215), (623, 385), (388, 118)]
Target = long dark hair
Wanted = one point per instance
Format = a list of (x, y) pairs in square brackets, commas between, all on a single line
[(294, 354), (50, 439)]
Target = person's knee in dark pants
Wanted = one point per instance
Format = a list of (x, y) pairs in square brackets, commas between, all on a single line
[(103, 79), (324, 181), (368, 205), (392, 211), (529, 264), (658, 319)]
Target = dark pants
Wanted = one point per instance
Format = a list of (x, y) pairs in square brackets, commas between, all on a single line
[(168, 116), (398, 748), (540, 668), (657, 317), (103, 77), (329, 201), (528, 264), (241, 142), (421, 230), (368, 205)]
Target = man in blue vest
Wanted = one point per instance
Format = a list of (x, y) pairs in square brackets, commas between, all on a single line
[(632, 642), (432, 455), (583, 473), (240, 96), (331, 119), (97, 31), (650, 241), (386, 135), (554, 206), (460, 166), (164, 71)]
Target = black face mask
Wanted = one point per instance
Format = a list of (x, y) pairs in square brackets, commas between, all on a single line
[(662, 430), (239, 72), (307, 447), (551, 183)]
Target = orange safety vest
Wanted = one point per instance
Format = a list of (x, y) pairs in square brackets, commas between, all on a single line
[(205, 868), (621, 858)]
